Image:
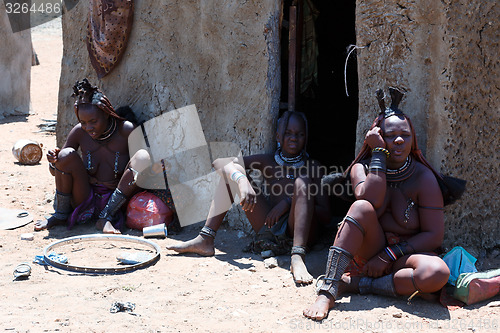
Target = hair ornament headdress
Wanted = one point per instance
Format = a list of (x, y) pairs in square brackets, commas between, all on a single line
[(85, 93), (396, 96)]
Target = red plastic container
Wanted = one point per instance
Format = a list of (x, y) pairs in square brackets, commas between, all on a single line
[(145, 209)]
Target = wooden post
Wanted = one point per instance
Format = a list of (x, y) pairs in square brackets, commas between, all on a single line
[(292, 56), (294, 53)]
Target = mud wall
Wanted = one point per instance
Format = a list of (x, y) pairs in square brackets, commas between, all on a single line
[(444, 54), (219, 55), (15, 68)]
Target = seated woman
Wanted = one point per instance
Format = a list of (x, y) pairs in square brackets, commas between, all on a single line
[(387, 239), (291, 205), (96, 185)]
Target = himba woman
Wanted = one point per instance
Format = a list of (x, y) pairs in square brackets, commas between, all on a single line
[(95, 185), (387, 239), (291, 206)]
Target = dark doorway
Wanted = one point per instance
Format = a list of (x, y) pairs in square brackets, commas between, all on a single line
[(332, 115)]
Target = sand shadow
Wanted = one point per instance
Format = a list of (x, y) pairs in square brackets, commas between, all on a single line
[(14, 119)]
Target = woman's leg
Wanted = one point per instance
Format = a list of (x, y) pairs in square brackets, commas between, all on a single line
[(72, 186), (426, 273), (203, 244), (421, 273), (299, 221), (359, 234), (127, 187)]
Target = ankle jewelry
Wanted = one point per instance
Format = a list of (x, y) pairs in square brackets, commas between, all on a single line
[(301, 250), (62, 205), (380, 286), (207, 231), (338, 260), (114, 203)]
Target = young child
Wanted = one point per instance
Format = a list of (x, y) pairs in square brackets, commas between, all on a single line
[(293, 201)]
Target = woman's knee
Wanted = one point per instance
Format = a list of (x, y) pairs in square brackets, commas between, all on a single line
[(361, 209), (67, 156), (431, 274), (140, 160), (302, 187)]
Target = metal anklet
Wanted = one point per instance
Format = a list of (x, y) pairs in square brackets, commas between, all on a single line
[(338, 260), (207, 231), (301, 250)]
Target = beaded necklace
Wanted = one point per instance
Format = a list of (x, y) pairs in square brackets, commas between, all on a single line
[(290, 162), (108, 133), (402, 173), (294, 162)]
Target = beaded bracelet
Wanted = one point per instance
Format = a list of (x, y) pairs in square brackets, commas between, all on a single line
[(391, 254), (237, 175), (398, 250), (52, 166), (383, 150)]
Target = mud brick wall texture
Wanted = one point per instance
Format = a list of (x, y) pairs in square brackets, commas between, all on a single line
[(221, 56), (15, 68), (445, 55)]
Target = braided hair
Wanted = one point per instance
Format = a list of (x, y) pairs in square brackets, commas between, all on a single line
[(85, 93)]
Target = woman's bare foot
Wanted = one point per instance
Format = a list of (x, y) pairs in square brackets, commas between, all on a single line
[(324, 302), (299, 270), (319, 310), (48, 223), (106, 227), (204, 246)]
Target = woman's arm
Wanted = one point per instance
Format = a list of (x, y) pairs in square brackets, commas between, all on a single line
[(371, 187), (233, 169), (126, 128), (72, 141), (74, 137)]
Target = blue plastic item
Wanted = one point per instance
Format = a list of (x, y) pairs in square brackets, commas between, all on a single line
[(60, 258), (459, 261)]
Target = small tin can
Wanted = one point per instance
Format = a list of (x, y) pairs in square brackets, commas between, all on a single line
[(158, 230), (27, 151)]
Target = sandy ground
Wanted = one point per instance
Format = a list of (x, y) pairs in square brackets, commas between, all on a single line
[(230, 292)]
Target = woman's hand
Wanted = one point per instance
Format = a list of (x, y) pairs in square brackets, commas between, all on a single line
[(52, 155), (274, 214), (248, 195), (377, 267), (374, 138)]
